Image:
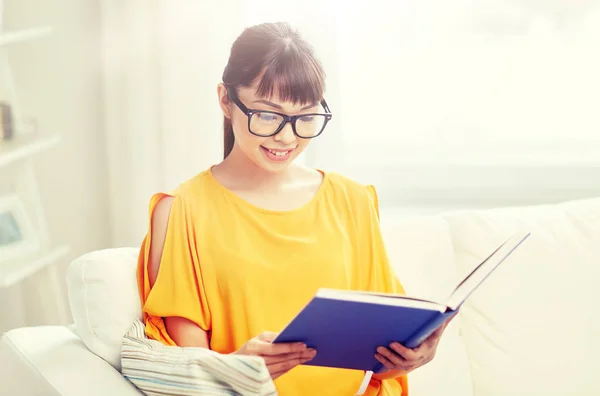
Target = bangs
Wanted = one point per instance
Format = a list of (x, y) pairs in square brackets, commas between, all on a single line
[(293, 75)]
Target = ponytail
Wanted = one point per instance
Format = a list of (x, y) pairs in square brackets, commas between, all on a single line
[(228, 137)]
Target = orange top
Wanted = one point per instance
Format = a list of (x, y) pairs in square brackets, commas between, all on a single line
[(237, 270)]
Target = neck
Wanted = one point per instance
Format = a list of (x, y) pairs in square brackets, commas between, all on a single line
[(239, 170)]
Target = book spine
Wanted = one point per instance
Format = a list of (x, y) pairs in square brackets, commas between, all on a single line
[(421, 335)]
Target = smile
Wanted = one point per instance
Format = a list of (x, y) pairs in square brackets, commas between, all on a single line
[(277, 155)]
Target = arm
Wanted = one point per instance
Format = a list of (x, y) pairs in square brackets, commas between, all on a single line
[(279, 358), (184, 332)]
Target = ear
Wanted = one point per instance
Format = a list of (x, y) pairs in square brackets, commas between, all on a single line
[(224, 101)]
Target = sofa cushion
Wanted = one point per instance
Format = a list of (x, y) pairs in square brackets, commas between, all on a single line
[(531, 329), (104, 300), (420, 250)]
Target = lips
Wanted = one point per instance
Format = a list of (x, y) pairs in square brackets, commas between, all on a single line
[(277, 154)]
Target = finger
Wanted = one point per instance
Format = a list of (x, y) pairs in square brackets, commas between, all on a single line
[(454, 315), (385, 361), (277, 369), (268, 348), (393, 357), (440, 330), (267, 336), (404, 352), (450, 319), (306, 355)]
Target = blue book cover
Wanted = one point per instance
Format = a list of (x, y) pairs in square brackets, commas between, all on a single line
[(346, 327)]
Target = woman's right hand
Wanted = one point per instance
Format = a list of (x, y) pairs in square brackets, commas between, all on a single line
[(279, 358)]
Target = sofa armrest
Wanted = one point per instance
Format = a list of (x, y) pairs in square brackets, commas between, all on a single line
[(52, 360)]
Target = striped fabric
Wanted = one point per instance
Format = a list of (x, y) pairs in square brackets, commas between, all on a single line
[(157, 369)]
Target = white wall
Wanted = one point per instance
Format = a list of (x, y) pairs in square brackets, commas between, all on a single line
[(467, 103), (162, 63), (58, 79)]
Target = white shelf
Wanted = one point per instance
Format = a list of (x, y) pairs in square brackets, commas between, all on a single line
[(15, 271), (21, 147), (24, 35)]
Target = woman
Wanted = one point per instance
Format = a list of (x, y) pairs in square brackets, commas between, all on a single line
[(235, 252)]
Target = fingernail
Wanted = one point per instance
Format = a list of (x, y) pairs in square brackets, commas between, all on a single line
[(395, 345), (301, 346), (381, 349)]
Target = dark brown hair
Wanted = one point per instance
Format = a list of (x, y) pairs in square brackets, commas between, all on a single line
[(278, 59)]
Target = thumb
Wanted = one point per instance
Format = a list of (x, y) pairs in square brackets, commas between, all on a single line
[(441, 329), (267, 336), (454, 315)]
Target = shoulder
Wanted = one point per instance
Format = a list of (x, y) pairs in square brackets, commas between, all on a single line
[(349, 186), (183, 195), (193, 187), (338, 183), (356, 193), (162, 210), (163, 204)]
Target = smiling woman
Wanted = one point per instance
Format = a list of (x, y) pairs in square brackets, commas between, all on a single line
[(235, 252)]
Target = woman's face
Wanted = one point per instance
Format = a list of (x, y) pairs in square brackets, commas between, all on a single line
[(273, 153)]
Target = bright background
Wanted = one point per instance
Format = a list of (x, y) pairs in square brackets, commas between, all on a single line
[(441, 104)]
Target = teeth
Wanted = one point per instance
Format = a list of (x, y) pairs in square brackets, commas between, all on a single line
[(278, 153)]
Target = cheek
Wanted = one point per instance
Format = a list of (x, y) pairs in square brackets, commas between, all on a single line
[(240, 130), (240, 125), (302, 144), (243, 137)]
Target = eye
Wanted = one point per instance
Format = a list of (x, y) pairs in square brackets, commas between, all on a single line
[(267, 117), (306, 119)]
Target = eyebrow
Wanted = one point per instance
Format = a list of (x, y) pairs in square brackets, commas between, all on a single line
[(278, 107)]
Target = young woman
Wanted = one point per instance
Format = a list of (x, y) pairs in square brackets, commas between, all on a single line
[(233, 254)]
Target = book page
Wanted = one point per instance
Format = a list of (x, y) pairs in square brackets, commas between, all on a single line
[(472, 281)]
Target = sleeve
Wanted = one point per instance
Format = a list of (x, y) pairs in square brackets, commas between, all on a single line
[(382, 276), (179, 287), (170, 370), (382, 279)]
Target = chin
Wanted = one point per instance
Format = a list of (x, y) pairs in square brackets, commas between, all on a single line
[(274, 167)]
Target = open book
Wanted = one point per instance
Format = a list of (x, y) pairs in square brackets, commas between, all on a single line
[(346, 327)]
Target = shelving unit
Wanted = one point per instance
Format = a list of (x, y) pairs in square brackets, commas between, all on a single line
[(21, 269), (17, 160), (20, 151), (23, 147), (24, 35)]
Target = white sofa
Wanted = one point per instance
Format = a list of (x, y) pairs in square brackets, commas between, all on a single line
[(532, 329)]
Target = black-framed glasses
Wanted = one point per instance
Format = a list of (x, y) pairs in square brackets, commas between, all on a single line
[(268, 123)]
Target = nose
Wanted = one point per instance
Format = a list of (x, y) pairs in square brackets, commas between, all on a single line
[(286, 135)]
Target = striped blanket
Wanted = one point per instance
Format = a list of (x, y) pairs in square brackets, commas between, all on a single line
[(157, 369)]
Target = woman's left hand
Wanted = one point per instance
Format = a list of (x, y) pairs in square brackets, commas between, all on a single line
[(404, 360)]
